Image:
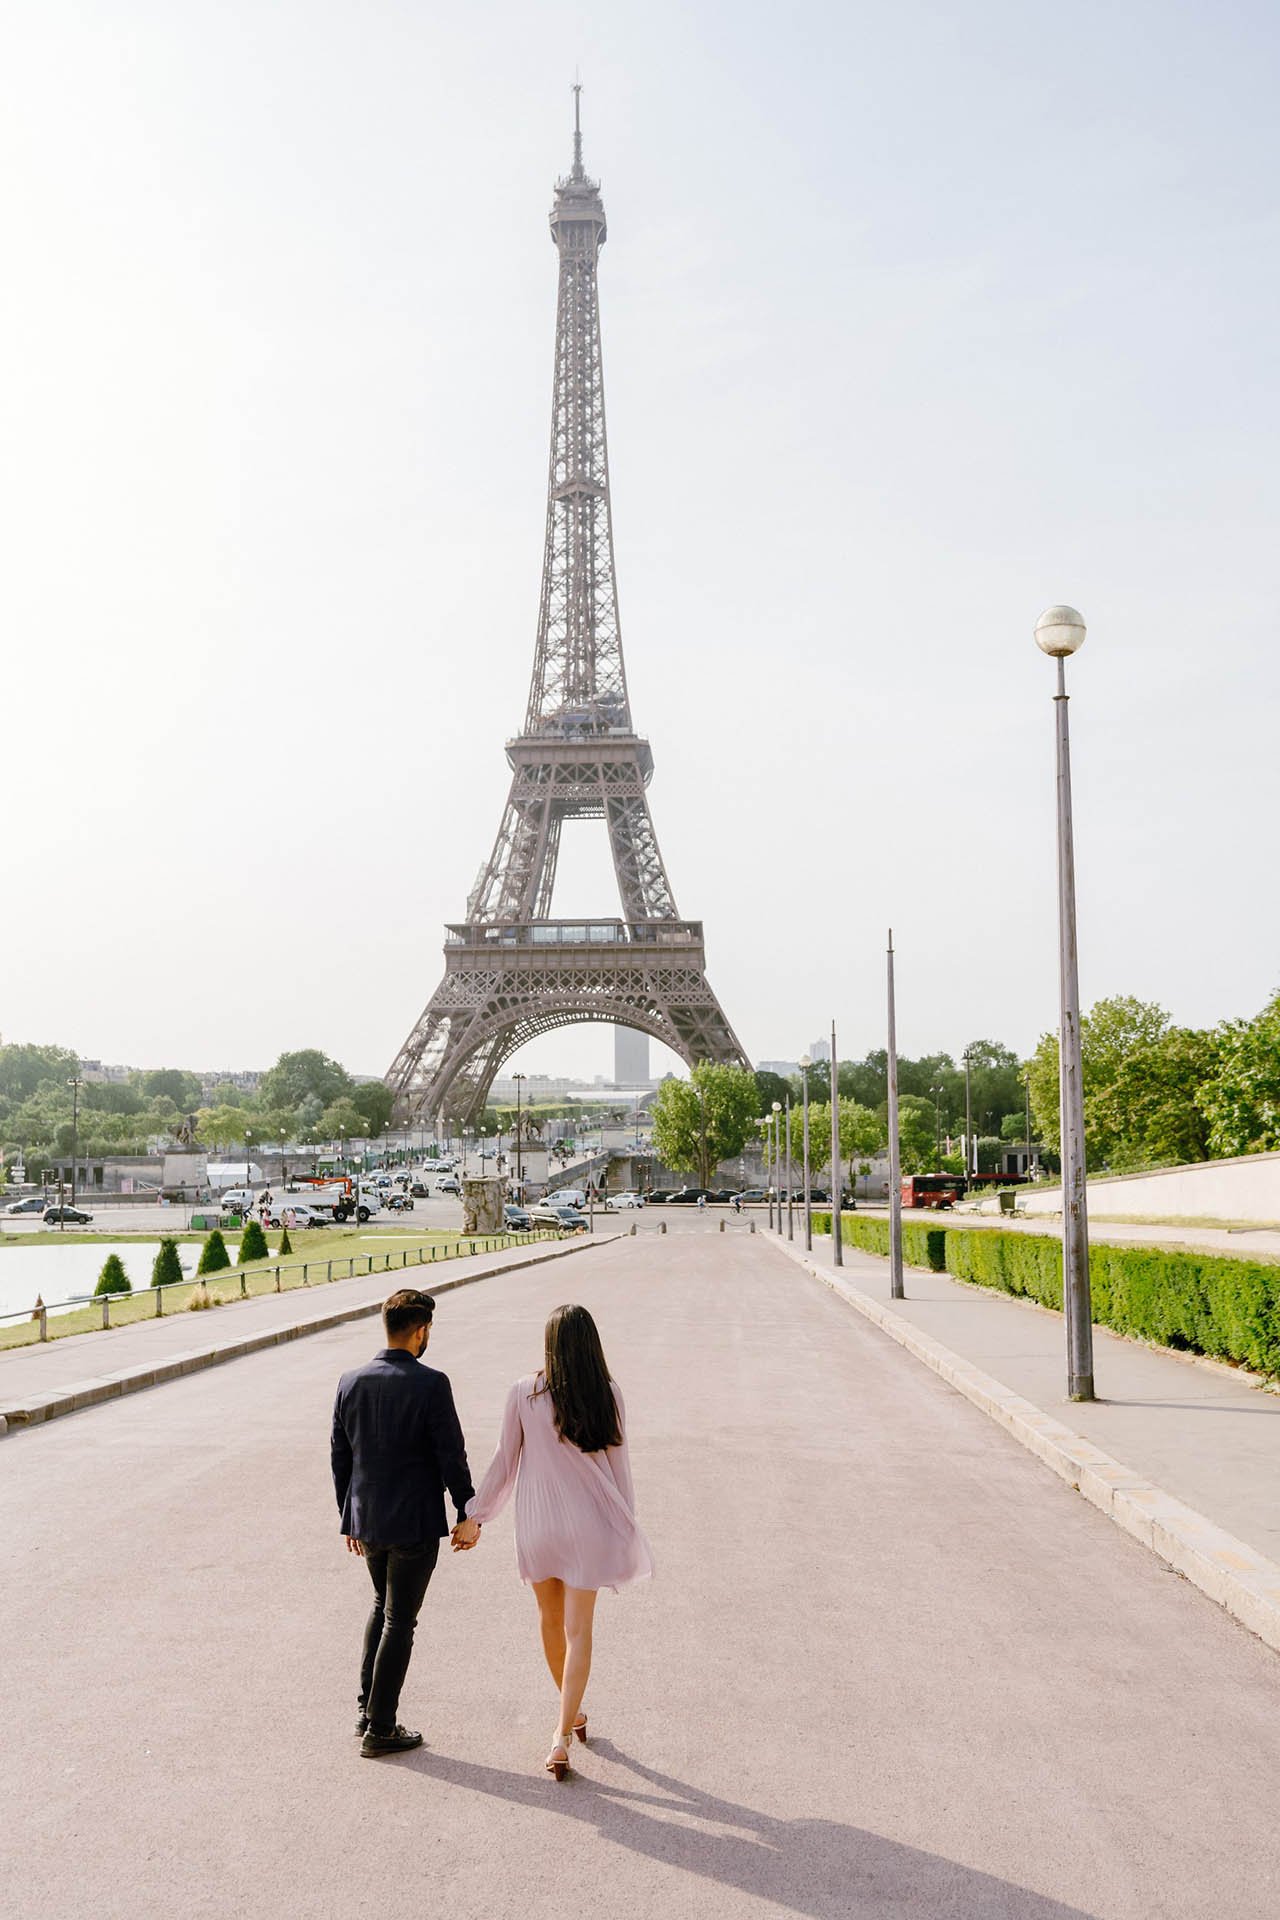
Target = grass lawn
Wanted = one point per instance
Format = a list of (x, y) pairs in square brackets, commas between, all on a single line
[(317, 1258)]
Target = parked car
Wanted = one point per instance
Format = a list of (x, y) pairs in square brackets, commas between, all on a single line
[(688, 1196), (753, 1196), (660, 1196), (34, 1203), (296, 1213), (72, 1216), (517, 1219), (623, 1202), (449, 1184), (568, 1218)]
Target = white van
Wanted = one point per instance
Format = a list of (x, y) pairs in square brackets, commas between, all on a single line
[(566, 1197)]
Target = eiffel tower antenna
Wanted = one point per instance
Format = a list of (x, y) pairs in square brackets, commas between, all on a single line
[(511, 971)]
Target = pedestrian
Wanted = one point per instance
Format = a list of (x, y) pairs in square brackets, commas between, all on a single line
[(563, 1449), (702, 1203), (395, 1447)]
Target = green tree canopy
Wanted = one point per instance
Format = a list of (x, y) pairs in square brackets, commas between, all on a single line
[(222, 1126), (173, 1083), (295, 1075), (375, 1101), (770, 1087), (343, 1116), (705, 1119), (1241, 1103)]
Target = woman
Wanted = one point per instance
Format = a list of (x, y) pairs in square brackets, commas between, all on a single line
[(564, 1450)]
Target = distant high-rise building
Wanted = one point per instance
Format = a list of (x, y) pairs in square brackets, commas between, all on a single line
[(819, 1049), (630, 1057)]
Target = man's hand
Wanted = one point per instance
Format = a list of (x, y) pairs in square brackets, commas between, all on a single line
[(354, 1546), (465, 1535)]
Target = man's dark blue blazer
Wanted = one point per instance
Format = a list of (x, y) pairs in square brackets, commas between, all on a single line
[(396, 1446)]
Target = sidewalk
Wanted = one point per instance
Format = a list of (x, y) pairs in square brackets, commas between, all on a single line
[(64, 1376), (1173, 1431)]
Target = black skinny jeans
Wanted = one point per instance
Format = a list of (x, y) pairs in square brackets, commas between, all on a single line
[(400, 1578)]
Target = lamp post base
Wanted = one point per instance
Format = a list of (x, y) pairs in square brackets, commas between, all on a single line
[(1080, 1386)]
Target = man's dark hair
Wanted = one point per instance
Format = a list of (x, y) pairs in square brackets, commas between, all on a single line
[(406, 1310)]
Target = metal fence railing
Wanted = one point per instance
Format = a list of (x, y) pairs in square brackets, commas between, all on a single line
[(271, 1275)]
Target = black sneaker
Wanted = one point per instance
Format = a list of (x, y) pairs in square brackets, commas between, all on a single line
[(398, 1741)]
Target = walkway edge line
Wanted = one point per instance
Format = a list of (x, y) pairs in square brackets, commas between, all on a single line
[(111, 1386), (1226, 1569)]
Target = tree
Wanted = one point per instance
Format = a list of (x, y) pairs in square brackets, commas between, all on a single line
[(1110, 1033), (172, 1083), (1150, 1112), (917, 1132), (861, 1134), (213, 1254), (342, 1117), (770, 1087), (222, 1126), (166, 1269), (253, 1243), (295, 1075), (286, 1244), (375, 1101), (705, 1119), (1241, 1102), (113, 1278), (24, 1068)]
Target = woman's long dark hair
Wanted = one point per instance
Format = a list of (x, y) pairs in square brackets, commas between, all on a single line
[(578, 1381)]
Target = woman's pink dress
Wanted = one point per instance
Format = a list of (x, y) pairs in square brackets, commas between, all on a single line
[(575, 1511)]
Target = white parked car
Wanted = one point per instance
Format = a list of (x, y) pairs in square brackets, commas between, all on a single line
[(621, 1202), (296, 1213)]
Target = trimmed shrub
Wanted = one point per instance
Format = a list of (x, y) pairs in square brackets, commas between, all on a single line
[(213, 1254), (253, 1243), (286, 1245), (921, 1246), (1200, 1302), (113, 1278), (166, 1269)]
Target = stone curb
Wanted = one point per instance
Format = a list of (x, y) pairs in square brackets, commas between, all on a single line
[(110, 1386), (1235, 1575)]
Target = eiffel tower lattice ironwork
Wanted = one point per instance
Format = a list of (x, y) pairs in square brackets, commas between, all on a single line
[(510, 970)]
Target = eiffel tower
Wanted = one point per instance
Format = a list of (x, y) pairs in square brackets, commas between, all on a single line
[(511, 971)]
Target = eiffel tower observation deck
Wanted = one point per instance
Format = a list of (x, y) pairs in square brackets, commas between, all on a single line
[(511, 971)]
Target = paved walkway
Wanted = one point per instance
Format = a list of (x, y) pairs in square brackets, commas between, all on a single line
[(889, 1665), (1199, 1430)]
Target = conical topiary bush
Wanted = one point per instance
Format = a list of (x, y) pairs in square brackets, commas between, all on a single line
[(253, 1242), (113, 1278), (286, 1244), (213, 1254), (166, 1270)]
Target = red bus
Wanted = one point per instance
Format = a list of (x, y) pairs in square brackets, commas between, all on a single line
[(932, 1189)]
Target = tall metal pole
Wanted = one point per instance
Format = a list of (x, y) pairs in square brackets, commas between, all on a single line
[(1075, 1218), (791, 1230), (1026, 1087), (75, 1133), (896, 1290), (519, 1080), (777, 1159), (808, 1204), (837, 1178), (970, 1167)]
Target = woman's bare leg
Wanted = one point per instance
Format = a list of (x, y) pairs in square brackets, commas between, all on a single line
[(579, 1615), (549, 1595)]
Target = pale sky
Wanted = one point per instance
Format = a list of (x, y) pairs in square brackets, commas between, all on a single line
[(916, 320)]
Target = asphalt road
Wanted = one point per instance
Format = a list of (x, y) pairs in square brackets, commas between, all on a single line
[(889, 1665)]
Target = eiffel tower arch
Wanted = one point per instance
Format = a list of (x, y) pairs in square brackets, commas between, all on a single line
[(511, 971)]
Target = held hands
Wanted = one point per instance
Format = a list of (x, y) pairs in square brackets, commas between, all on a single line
[(465, 1535)]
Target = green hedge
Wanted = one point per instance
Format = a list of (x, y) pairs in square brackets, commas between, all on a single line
[(921, 1246), (1200, 1302)]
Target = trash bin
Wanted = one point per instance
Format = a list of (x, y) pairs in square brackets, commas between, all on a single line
[(1008, 1200)]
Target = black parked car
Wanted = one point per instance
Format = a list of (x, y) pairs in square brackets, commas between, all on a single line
[(516, 1219), (72, 1216), (688, 1196)]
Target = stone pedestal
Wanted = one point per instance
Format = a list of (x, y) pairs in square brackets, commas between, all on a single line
[(482, 1205)]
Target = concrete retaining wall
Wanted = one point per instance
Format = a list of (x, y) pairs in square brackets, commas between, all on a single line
[(1244, 1189)]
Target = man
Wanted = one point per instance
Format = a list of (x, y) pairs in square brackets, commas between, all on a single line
[(396, 1446)]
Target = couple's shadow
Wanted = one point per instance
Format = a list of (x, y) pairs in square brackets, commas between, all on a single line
[(816, 1867)]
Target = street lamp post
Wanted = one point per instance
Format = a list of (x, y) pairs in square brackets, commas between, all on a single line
[(935, 1094), (837, 1179), (896, 1291), (791, 1228), (970, 1161), (74, 1084), (519, 1080), (805, 1064), (1059, 632), (776, 1110), (1026, 1088)]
